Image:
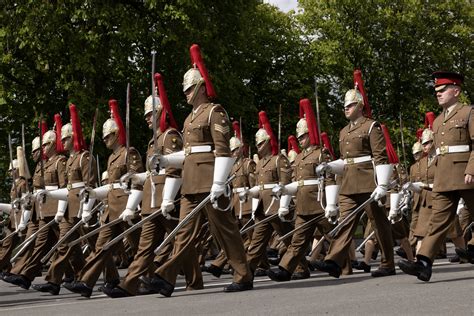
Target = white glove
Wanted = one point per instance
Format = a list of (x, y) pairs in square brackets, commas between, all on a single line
[(86, 216), (59, 194), (395, 211), (291, 188), (284, 207), (222, 168), (336, 167), (175, 160), (62, 206), (127, 216), (170, 190), (25, 218), (254, 192), (416, 187), (132, 177), (331, 211), (277, 191), (255, 203), (384, 173)]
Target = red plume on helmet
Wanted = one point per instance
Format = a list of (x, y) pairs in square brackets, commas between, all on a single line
[(77, 136), (167, 118), (115, 115), (293, 144), (327, 144), (44, 127), (359, 85), (265, 124), (392, 155), (237, 132), (58, 124), (419, 133), (306, 111), (197, 60), (429, 120)]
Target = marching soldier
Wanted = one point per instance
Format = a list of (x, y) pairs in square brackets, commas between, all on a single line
[(158, 191), (308, 191), (206, 152), (54, 178), (119, 203), (78, 177), (362, 146), (20, 174), (244, 171), (453, 141), (272, 170)]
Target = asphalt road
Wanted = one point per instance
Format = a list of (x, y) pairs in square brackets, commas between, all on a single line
[(450, 291)]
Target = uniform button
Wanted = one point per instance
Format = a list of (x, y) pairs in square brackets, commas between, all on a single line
[(442, 143), (442, 133), (347, 143), (347, 152), (189, 133), (444, 124)]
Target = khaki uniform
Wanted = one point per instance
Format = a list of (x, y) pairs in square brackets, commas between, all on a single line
[(153, 231), (54, 177), (364, 138), (416, 174), (77, 171), (207, 126), (425, 210), (117, 201), (270, 170), (15, 216), (308, 206), (455, 129)]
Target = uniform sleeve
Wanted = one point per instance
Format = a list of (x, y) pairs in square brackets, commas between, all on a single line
[(173, 142), (85, 162), (377, 145), (329, 178), (62, 176), (470, 163), (135, 164), (251, 173), (284, 170), (220, 131)]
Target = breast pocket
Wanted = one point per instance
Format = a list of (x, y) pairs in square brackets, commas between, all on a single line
[(459, 132), (50, 178)]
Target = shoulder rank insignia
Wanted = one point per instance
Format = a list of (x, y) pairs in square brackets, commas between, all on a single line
[(222, 129)]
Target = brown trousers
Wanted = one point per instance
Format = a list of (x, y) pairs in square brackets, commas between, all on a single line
[(22, 259), (6, 251), (224, 230), (339, 248), (444, 211), (66, 257), (262, 233), (301, 240), (152, 235), (46, 239)]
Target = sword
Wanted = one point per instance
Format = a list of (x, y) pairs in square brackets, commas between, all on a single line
[(127, 125), (317, 218), (365, 241), (246, 225), (24, 151), (14, 181), (9, 236), (95, 231), (188, 217), (68, 234), (263, 221), (98, 170), (279, 129), (89, 173), (30, 239)]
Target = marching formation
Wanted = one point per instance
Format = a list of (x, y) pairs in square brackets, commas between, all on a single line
[(196, 192)]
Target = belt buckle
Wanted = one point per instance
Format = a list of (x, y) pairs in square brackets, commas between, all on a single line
[(300, 183), (350, 161), (69, 186), (444, 149), (187, 150)]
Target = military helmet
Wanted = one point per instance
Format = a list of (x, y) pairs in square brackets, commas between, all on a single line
[(301, 127), (49, 137), (416, 148), (427, 136), (261, 136), (149, 105), (66, 131), (35, 144), (235, 143), (109, 127), (352, 96), (192, 77)]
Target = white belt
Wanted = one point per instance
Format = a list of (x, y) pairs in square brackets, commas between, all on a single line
[(76, 185), (452, 149), (238, 190), (267, 186), (302, 183), (162, 172), (115, 186), (350, 161), (197, 149), (51, 187)]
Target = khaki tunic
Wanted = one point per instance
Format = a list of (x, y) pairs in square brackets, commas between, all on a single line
[(427, 177), (244, 170), (54, 175), (16, 193)]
